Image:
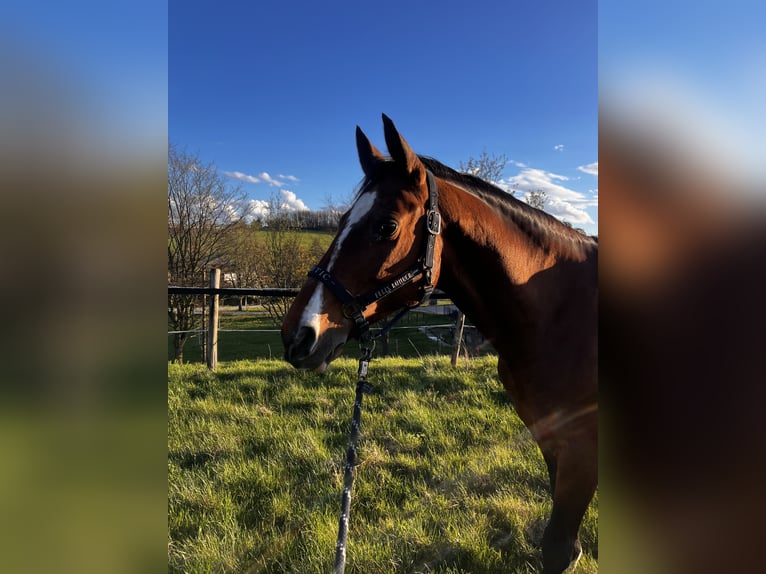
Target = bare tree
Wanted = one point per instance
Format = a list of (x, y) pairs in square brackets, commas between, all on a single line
[(244, 250), (537, 198), (488, 167), (201, 211), (335, 208), (284, 259)]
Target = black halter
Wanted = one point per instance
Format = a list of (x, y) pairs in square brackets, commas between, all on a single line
[(354, 305)]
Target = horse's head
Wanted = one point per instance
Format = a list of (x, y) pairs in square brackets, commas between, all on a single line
[(384, 257)]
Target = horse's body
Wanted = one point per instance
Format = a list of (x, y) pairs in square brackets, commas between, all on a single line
[(527, 281)]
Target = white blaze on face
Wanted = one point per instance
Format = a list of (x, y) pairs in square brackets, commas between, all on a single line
[(315, 307)]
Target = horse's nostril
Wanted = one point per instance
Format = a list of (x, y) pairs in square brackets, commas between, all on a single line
[(301, 344)]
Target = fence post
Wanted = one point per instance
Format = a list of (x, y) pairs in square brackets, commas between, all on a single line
[(459, 324), (212, 325), (204, 322)]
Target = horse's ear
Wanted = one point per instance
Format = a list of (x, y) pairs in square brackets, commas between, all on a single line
[(369, 156), (400, 150)]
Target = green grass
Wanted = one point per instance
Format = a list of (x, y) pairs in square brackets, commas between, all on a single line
[(307, 237), (449, 478)]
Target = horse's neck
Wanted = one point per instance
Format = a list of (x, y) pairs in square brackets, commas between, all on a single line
[(481, 236), (495, 272)]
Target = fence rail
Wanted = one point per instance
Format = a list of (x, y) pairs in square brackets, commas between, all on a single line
[(232, 291), (256, 292)]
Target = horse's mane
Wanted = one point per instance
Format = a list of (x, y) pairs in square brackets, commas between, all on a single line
[(541, 227)]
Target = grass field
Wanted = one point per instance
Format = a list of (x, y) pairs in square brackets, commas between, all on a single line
[(449, 478)]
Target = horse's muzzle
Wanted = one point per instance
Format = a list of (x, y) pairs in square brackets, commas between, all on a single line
[(304, 350), (299, 345)]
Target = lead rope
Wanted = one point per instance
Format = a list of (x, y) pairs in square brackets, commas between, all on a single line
[(433, 226), (362, 387)]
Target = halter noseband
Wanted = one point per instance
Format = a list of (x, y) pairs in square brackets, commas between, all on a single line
[(354, 305)]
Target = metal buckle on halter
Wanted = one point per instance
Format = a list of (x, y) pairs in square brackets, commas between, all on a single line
[(434, 222)]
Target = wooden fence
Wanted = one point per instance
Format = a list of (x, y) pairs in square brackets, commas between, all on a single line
[(215, 291)]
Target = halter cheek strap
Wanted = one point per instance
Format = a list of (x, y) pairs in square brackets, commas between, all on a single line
[(354, 305), (434, 228)]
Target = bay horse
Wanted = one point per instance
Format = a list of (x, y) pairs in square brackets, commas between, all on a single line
[(527, 281)]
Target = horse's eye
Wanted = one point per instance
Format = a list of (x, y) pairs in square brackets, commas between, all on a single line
[(386, 229)]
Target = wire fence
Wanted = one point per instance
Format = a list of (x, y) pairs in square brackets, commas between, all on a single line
[(249, 332)]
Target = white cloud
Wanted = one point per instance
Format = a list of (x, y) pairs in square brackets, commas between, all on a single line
[(241, 176), (263, 177), (562, 202), (591, 168), (567, 211), (559, 147), (260, 209), (290, 201), (257, 209)]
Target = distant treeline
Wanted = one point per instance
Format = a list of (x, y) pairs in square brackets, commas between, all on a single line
[(321, 220)]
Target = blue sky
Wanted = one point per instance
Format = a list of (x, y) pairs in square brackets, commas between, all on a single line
[(272, 91)]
